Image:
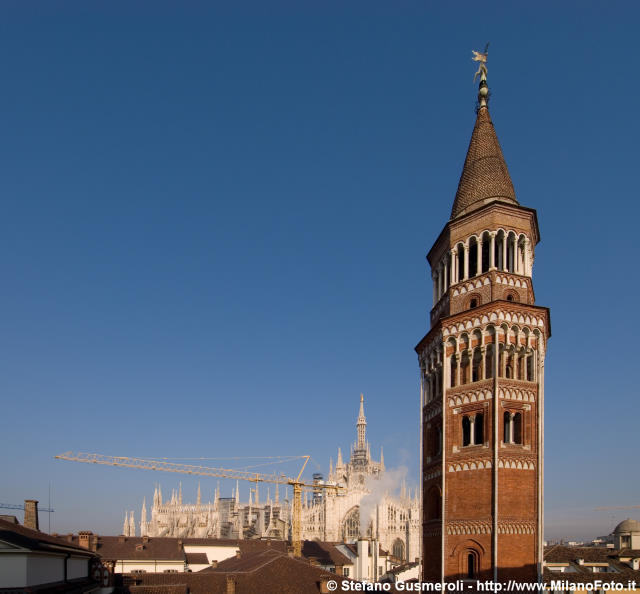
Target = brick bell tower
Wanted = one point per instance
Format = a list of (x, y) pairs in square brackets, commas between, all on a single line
[(482, 379)]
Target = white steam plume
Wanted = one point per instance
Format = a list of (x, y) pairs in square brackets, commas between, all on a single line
[(389, 484)]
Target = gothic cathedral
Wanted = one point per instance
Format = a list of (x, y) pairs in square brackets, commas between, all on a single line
[(482, 380)]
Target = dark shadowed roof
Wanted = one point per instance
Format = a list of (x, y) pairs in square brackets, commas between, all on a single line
[(197, 558), (35, 540), (326, 553), (485, 177)]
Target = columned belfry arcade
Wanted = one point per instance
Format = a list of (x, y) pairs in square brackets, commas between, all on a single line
[(482, 378)]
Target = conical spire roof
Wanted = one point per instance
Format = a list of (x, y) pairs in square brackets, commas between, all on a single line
[(485, 177)]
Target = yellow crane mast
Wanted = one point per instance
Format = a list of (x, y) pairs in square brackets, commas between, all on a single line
[(243, 475)]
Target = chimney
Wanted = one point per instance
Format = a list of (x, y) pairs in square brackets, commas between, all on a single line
[(31, 514), (580, 561), (324, 589), (84, 537), (214, 564), (145, 539), (238, 554), (290, 551), (231, 584), (362, 562)]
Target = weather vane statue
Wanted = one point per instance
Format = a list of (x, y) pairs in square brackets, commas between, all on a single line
[(483, 90), (482, 58)]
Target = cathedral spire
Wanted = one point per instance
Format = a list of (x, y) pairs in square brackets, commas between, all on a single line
[(199, 496), (381, 459), (361, 426), (132, 524), (485, 177), (339, 463), (125, 526), (143, 517), (180, 494)]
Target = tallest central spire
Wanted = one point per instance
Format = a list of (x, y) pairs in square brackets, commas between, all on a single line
[(361, 425)]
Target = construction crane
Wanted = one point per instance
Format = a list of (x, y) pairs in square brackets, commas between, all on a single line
[(16, 506), (160, 465), (615, 507)]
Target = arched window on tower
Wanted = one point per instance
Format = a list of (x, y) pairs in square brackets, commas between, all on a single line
[(466, 431), (478, 427), (465, 369), (473, 257), (511, 244), (477, 365), (453, 371), (517, 428), (508, 367), (472, 566), (507, 427), (488, 364), (530, 367), (498, 252), (486, 252)]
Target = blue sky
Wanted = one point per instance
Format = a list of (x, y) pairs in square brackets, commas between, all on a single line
[(215, 219)]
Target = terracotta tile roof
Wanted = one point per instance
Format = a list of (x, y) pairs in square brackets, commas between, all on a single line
[(245, 562), (278, 574), (485, 177), (621, 572), (119, 547), (168, 548), (197, 558), (562, 554), (35, 540), (165, 589), (326, 553)]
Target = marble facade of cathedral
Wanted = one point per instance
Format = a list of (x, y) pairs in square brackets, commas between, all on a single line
[(366, 506)]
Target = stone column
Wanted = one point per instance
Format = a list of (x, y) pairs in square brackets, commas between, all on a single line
[(446, 273), (472, 429), (511, 415), (527, 263), (435, 287), (454, 267), (458, 361), (479, 258), (465, 276)]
